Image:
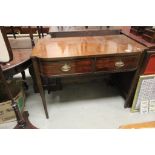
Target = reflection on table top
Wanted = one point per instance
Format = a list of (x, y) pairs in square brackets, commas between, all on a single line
[(19, 56), (85, 46)]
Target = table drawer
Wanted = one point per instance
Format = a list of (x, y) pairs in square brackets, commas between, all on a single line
[(66, 67), (117, 63)]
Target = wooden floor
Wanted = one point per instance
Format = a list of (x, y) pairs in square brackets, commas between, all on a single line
[(139, 125)]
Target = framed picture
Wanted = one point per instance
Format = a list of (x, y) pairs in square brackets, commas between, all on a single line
[(144, 98), (5, 48)]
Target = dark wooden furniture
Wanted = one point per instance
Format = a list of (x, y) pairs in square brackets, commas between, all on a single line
[(21, 61), (15, 30), (83, 33), (138, 30), (149, 35), (126, 31), (73, 56), (22, 118)]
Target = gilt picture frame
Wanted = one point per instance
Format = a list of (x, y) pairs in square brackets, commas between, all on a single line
[(144, 92)]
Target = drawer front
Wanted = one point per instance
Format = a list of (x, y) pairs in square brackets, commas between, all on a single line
[(117, 63), (66, 67)]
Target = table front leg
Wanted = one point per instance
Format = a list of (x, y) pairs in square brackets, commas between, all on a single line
[(130, 96), (39, 85)]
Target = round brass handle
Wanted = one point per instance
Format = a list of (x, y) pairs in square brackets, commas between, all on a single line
[(119, 64), (66, 68)]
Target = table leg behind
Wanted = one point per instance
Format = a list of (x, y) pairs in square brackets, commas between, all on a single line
[(35, 86), (24, 79)]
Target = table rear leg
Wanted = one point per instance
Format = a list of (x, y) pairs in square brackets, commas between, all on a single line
[(24, 79)]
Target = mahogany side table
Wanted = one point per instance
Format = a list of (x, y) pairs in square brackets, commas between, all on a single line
[(75, 56)]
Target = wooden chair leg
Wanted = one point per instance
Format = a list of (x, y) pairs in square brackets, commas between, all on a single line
[(39, 84)]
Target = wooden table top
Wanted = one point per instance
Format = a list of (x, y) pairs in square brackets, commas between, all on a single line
[(19, 56), (85, 46)]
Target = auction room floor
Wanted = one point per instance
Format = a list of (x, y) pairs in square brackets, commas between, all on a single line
[(83, 105)]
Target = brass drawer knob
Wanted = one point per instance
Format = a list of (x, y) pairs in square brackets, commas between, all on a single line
[(65, 68), (119, 64)]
